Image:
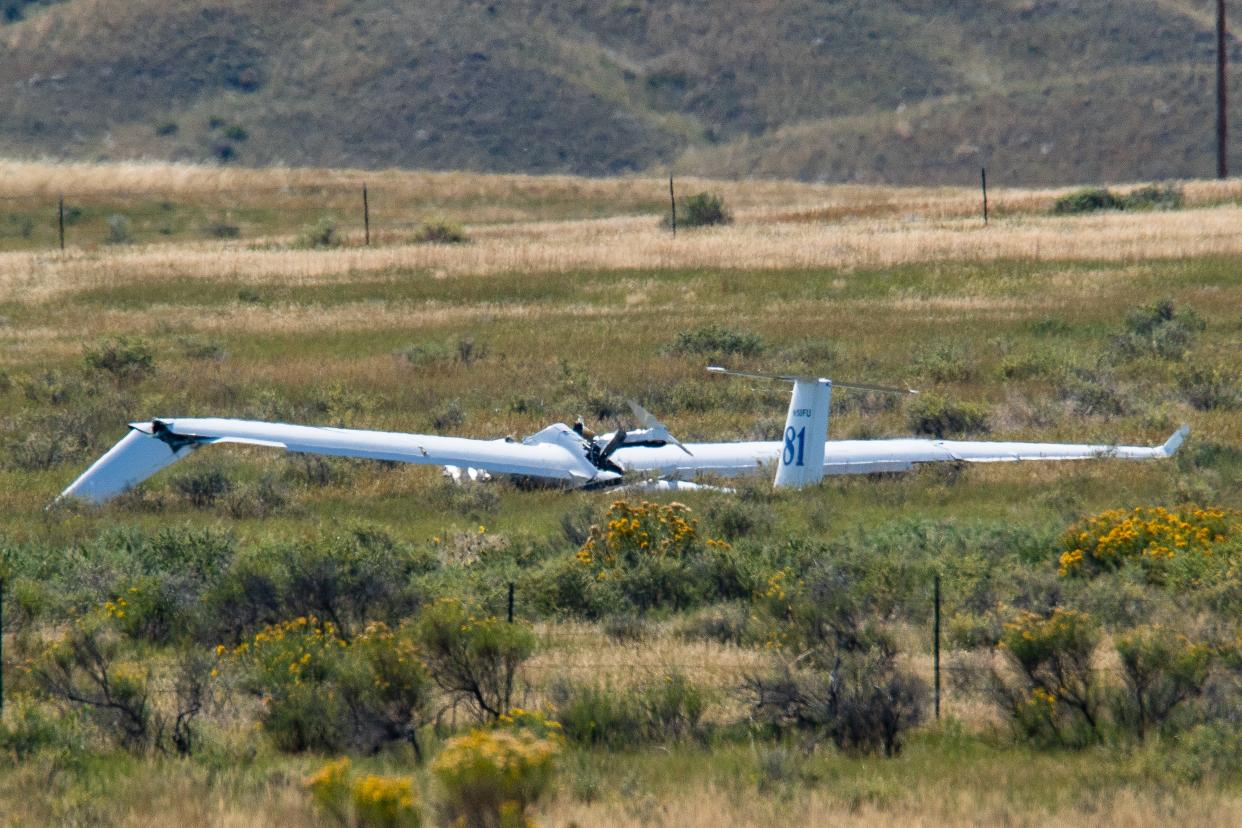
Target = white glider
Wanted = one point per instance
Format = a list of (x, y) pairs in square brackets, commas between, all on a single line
[(562, 454)]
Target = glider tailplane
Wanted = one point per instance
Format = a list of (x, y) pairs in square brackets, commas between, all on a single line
[(801, 462)]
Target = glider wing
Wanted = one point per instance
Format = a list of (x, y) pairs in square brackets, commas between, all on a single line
[(151, 446)]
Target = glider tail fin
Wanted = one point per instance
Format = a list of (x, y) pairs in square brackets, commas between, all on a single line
[(801, 462)]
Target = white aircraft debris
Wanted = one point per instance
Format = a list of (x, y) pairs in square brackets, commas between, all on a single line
[(567, 455)]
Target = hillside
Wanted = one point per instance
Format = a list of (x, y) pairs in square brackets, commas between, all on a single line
[(1041, 91)]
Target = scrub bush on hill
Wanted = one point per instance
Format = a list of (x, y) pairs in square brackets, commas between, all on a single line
[(1051, 692), (474, 658), (321, 234), (646, 556), (718, 340), (492, 778), (701, 210), (670, 708), (88, 667), (1055, 690), (1155, 539), (440, 232), (321, 692), (125, 359), (933, 415), (1160, 330), (349, 578), (1210, 388), (1089, 200), (839, 677), (1163, 672), (366, 801)]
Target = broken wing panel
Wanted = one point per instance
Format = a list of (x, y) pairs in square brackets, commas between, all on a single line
[(149, 448), (874, 456)]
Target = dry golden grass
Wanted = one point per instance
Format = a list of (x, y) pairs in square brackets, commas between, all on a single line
[(713, 806), (638, 244)]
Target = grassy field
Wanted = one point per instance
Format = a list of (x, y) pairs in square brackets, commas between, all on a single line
[(570, 297)]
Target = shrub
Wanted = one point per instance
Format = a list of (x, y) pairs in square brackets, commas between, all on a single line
[(1087, 200), (448, 416), (125, 359), (651, 556), (474, 659), (1162, 671), (287, 666), (1094, 392), (1150, 197), (425, 353), (671, 707), (1147, 536), (321, 692), (936, 416), (350, 578), (1051, 692), (120, 230), (1153, 197), (385, 687), (841, 679), (736, 518), (726, 624), (1210, 388), (702, 210), (440, 232), (321, 234), (28, 729), (493, 777), (369, 801), (203, 487), (1159, 330), (864, 705), (718, 340), (259, 499), (222, 230), (39, 443), (1205, 751), (85, 667), (945, 363)]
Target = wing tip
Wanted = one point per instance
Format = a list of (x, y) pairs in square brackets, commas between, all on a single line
[(1174, 442)]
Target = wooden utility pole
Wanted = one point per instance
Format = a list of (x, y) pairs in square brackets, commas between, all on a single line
[(366, 214), (1222, 121)]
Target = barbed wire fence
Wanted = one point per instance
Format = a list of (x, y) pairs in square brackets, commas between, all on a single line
[(35, 221)]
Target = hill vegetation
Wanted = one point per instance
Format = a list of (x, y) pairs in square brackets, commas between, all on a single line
[(1039, 91)]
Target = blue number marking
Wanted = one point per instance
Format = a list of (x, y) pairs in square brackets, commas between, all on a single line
[(794, 452)]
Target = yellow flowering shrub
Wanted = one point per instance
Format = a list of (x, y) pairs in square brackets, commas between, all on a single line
[(369, 801), (637, 530), (1052, 691), (532, 721), (494, 777), (321, 692), (474, 658), (385, 802), (1150, 536), (653, 555)]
